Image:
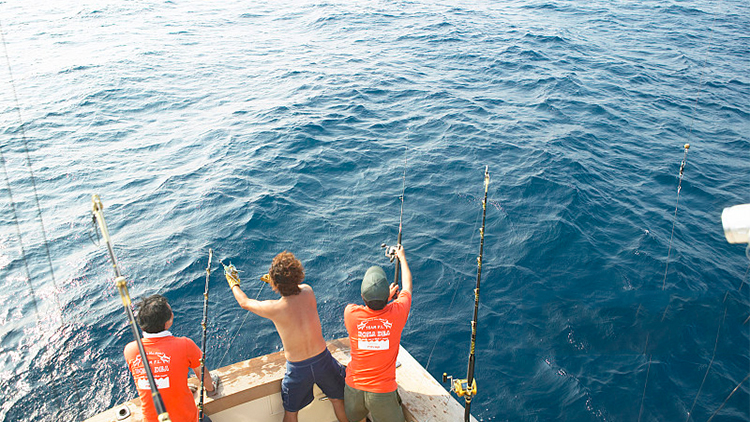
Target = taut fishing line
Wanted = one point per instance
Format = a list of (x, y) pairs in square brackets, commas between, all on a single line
[(467, 388), (674, 218), (721, 324), (455, 292), (747, 253), (247, 313), (45, 242), (710, 364)]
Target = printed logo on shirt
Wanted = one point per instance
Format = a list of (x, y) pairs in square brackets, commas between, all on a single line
[(161, 383), (159, 362), (373, 334)]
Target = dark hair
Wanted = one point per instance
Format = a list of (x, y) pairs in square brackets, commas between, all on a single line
[(153, 313), (286, 273), (376, 305)]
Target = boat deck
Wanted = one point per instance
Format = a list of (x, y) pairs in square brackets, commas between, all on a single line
[(251, 391)]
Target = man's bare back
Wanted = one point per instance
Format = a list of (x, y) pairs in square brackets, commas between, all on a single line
[(297, 321)]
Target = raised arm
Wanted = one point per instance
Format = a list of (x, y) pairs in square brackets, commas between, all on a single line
[(260, 308), (405, 272), (255, 306)]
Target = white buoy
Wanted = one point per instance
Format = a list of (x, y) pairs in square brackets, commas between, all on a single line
[(736, 222)]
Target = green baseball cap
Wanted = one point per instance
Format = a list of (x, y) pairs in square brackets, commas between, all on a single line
[(375, 285)]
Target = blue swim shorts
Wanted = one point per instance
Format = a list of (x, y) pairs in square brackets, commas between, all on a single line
[(297, 386)]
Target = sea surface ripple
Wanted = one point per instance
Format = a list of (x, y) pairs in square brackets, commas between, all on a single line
[(608, 290)]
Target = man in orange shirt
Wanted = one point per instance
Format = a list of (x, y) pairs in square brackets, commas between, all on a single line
[(169, 358), (374, 336)]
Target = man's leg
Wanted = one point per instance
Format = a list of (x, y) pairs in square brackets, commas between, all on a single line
[(385, 407), (339, 410), (296, 391), (290, 416), (330, 376), (354, 404)]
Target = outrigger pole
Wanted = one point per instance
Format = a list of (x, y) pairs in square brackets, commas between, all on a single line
[(122, 287), (203, 340), (467, 388)]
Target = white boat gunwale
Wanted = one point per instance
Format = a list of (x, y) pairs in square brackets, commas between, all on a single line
[(424, 399)]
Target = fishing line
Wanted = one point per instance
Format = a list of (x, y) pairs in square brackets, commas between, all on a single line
[(247, 313), (467, 388), (390, 252), (401, 216), (679, 188), (674, 218), (455, 291), (713, 357), (20, 237), (744, 277), (747, 253), (648, 371), (727, 399), (45, 242)]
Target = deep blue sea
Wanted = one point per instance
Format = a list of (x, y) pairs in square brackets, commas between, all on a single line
[(257, 127)]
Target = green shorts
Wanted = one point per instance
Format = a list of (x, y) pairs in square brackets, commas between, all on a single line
[(382, 407)]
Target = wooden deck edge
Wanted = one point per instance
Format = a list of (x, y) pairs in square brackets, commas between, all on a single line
[(424, 399)]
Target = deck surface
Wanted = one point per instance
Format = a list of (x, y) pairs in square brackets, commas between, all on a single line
[(252, 388)]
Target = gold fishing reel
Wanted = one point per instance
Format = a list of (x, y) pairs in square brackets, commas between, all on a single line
[(461, 386)]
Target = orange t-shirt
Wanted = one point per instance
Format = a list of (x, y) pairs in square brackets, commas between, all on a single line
[(169, 358), (374, 338)]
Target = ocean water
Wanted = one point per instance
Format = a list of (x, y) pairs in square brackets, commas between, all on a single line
[(257, 127)]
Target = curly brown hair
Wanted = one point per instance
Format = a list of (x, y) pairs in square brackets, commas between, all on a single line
[(286, 273)]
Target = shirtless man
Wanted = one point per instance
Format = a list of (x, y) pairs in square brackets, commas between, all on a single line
[(295, 316)]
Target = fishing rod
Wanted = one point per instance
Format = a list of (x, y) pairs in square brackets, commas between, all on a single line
[(122, 288), (467, 388), (390, 252), (203, 340)]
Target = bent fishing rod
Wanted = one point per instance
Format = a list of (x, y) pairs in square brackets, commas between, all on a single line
[(467, 388), (203, 340), (390, 252), (122, 288)]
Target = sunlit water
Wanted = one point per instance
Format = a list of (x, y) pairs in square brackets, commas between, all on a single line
[(252, 128)]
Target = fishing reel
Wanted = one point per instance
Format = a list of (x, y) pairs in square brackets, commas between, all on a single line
[(390, 251), (461, 386)]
